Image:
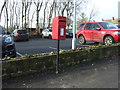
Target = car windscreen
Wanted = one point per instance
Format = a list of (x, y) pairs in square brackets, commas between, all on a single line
[(108, 25), (22, 31), (118, 26)]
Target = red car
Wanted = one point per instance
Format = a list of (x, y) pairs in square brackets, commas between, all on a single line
[(105, 32)]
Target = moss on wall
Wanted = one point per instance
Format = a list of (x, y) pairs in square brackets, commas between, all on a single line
[(46, 62)]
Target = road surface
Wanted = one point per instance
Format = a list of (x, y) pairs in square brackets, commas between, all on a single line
[(35, 46)]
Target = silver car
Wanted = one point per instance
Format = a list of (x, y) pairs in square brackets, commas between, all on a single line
[(47, 33)]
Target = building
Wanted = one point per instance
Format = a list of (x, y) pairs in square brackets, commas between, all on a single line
[(113, 20)]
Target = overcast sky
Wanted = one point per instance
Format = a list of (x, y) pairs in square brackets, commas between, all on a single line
[(106, 8)]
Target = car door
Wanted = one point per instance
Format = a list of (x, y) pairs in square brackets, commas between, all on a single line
[(88, 32), (97, 37), (45, 32)]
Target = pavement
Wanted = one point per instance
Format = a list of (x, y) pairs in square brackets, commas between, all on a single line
[(95, 74)]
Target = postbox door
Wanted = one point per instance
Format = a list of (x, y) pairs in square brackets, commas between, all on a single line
[(62, 31)]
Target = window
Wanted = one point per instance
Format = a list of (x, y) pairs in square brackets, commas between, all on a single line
[(94, 26), (91, 26), (108, 25), (80, 27), (22, 31), (88, 26), (50, 30)]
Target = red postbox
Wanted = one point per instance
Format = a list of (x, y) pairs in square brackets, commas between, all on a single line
[(59, 28)]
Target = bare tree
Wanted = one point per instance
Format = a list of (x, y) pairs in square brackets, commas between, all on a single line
[(38, 5), (11, 18), (17, 14), (51, 8), (29, 8), (23, 4), (3, 6), (20, 13), (69, 11), (32, 18), (92, 15), (44, 16), (6, 9)]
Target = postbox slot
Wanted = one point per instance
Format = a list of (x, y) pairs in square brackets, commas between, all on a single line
[(62, 21), (61, 25)]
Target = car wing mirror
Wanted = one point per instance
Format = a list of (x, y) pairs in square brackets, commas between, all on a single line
[(98, 29)]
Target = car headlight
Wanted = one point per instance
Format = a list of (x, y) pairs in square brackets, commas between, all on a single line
[(8, 39), (117, 33)]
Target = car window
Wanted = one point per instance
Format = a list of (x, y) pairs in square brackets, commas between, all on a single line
[(22, 31), (81, 26), (14, 31), (50, 30), (94, 26), (108, 25), (45, 30), (88, 26)]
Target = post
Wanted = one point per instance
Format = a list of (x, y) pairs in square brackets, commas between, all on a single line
[(74, 27), (57, 60)]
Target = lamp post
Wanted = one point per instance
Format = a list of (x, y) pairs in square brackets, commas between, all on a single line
[(74, 27)]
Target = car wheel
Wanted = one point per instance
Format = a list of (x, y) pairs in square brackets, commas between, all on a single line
[(15, 40), (96, 43), (27, 39), (14, 55), (82, 40), (43, 36), (50, 36), (108, 40)]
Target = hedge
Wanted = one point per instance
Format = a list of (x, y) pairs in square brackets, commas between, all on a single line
[(42, 63)]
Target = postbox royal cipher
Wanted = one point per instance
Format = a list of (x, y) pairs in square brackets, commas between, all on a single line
[(59, 28)]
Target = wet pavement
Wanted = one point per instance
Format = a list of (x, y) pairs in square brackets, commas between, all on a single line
[(95, 74)]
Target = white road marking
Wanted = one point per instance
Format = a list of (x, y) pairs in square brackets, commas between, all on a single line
[(19, 54), (54, 48)]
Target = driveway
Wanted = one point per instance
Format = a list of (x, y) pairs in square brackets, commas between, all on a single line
[(95, 74)]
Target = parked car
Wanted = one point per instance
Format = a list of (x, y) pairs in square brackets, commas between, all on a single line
[(7, 45), (20, 34), (118, 26), (47, 33), (105, 32), (69, 33)]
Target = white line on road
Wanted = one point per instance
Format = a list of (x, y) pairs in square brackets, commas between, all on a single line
[(19, 54), (54, 48)]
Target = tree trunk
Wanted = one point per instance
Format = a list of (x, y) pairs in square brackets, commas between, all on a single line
[(22, 14), (44, 16)]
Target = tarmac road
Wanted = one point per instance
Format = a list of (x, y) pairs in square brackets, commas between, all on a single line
[(95, 74), (36, 46)]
